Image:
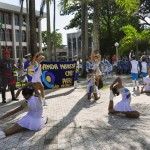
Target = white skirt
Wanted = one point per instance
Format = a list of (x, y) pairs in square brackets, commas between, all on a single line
[(147, 88), (36, 79), (123, 106), (92, 89), (31, 123)]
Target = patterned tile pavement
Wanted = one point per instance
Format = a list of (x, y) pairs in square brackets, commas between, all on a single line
[(76, 123)]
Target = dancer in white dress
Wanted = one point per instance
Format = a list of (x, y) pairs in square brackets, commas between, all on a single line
[(122, 107), (146, 87), (96, 59), (33, 120), (92, 87), (35, 72)]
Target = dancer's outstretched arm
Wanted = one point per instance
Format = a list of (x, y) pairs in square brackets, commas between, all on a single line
[(117, 82)]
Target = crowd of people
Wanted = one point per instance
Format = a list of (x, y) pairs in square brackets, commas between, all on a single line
[(35, 100)]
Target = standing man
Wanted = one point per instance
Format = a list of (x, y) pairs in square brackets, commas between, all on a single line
[(7, 67)]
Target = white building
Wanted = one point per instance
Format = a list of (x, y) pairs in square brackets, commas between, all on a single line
[(9, 33)]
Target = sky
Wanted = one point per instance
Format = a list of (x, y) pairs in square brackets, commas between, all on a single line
[(61, 21)]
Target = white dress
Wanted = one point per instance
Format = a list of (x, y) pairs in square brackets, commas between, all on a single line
[(37, 73), (33, 120), (124, 104), (147, 81), (92, 88), (97, 68)]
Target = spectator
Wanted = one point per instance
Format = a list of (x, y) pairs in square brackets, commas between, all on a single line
[(7, 67)]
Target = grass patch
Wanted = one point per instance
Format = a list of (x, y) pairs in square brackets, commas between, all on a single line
[(105, 87), (84, 87)]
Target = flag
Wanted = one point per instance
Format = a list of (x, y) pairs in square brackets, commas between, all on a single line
[(42, 7)]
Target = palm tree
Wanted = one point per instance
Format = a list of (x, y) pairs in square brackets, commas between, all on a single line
[(20, 30), (84, 28), (32, 20), (27, 25), (84, 36), (49, 47), (54, 26), (96, 25)]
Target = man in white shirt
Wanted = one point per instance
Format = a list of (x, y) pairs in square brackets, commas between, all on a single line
[(134, 72)]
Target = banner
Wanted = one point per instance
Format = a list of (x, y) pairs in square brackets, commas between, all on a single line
[(58, 74)]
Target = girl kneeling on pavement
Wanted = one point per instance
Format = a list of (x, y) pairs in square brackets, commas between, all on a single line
[(146, 87), (92, 87), (123, 107), (33, 120)]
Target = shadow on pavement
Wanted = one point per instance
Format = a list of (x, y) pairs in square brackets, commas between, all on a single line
[(62, 94), (82, 103)]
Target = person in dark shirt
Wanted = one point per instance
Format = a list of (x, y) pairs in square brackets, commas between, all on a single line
[(7, 67)]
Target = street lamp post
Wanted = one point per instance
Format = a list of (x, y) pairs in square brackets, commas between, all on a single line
[(116, 45)]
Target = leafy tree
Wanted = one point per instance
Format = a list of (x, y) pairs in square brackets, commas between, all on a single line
[(129, 5), (58, 39), (132, 38), (144, 11)]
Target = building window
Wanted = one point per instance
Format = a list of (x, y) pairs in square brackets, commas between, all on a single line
[(37, 22), (11, 52), (7, 15), (23, 36), (2, 34), (17, 50), (24, 51), (2, 17), (3, 49), (16, 20), (9, 37), (17, 35), (37, 37)]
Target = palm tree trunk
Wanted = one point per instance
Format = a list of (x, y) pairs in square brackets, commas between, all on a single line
[(96, 26), (49, 49), (54, 25), (84, 26), (20, 33), (27, 26), (33, 43)]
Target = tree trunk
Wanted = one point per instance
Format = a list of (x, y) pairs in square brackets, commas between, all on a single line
[(49, 49), (84, 26), (33, 42), (54, 25), (96, 25), (20, 32), (27, 26)]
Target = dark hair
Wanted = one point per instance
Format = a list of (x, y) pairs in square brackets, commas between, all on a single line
[(114, 90), (26, 91), (91, 70), (133, 57)]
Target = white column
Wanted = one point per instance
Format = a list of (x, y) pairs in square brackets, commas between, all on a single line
[(117, 54), (14, 37), (72, 45), (40, 34), (77, 49)]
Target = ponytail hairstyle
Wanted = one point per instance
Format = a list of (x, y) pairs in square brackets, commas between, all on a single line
[(115, 91), (27, 91)]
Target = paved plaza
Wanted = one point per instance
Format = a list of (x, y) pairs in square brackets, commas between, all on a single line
[(75, 123)]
